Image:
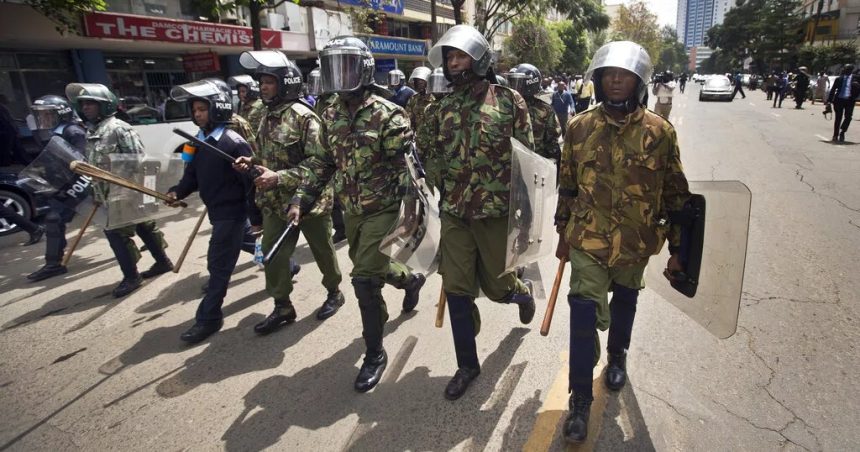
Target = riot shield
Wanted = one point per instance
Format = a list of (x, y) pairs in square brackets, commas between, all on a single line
[(711, 297), (532, 203), (49, 174), (125, 206), (414, 239)]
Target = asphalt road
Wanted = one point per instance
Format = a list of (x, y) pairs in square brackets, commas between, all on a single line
[(81, 370)]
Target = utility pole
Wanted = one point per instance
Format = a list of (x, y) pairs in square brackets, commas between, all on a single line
[(434, 33), (817, 18)]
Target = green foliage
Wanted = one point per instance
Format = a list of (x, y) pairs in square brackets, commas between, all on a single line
[(672, 56), (533, 41), (490, 15), (65, 14), (635, 22), (583, 14), (827, 58)]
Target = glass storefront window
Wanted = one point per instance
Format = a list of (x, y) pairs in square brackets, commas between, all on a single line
[(25, 77)]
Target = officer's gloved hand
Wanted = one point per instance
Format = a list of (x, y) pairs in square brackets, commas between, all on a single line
[(674, 270), (562, 251)]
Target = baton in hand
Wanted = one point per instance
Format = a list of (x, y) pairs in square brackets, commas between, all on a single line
[(254, 172), (277, 246), (553, 296)]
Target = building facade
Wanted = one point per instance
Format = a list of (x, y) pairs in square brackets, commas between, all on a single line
[(837, 21)]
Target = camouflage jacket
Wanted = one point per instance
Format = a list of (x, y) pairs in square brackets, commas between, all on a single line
[(471, 148), (244, 128), (253, 112), (110, 136), (289, 136), (618, 181), (545, 128), (366, 150), (415, 108), (424, 139)]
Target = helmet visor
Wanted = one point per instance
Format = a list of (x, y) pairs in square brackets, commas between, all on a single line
[(314, 83), (394, 78), (517, 81), (239, 80), (202, 88), (438, 84), (47, 117), (462, 37), (270, 58), (625, 55), (341, 70)]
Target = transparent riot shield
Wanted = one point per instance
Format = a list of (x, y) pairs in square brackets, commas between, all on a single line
[(125, 206), (532, 203), (414, 239), (716, 290), (49, 174)]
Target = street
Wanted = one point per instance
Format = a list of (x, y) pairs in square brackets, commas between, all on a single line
[(82, 370)]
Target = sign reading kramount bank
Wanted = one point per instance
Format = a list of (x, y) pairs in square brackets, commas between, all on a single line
[(124, 26)]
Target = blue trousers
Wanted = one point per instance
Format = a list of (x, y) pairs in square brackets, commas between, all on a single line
[(228, 239)]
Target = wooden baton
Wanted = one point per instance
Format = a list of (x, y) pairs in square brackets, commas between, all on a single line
[(440, 309), (189, 241), (68, 256), (97, 173), (553, 296)]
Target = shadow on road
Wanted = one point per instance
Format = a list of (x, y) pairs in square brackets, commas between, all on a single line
[(624, 427), (68, 303)]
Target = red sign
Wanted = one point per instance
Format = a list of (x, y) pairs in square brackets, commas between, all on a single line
[(122, 26), (201, 62)]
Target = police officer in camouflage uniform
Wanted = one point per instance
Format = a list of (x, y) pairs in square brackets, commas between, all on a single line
[(289, 135), (418, 103), (474, 125), (365, 137), (250, 105), (525, 79), (620, 178), (106, 135), (438, 87), (322, 99)]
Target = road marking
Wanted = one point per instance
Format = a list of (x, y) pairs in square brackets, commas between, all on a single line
[(777, 115), (752, 104), (554, 407), (822, 138)]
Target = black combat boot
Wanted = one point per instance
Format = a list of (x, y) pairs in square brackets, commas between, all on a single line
[(47, 271), (413, 289), (201, 331), (576, 424), (460, 382), (331, 305), (373, 318), (158, 268), (616, 371), (371, 370), (525, 302), (128, 285), (35, 236), (461, 311), (283, 314)]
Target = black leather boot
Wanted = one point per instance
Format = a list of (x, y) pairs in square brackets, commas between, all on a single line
[(371, 370), (576, 424), (616, 371), (35, 236), (460, 382), (128, 285), (525, 302), (47, 271), (331, 305), (283, 314), (200, 331), (158, 268), (413, 290)]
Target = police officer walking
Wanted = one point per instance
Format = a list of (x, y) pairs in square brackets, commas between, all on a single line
[(525, 79), (289, 136), (250, 105), (108, 135), (397, 85), (475, 124), (619, 151), (365, 138), (418, 103)]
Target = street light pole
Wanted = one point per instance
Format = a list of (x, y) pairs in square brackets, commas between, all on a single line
[(817, 18)]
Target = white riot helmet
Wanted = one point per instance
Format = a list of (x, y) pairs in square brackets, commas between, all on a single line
[(437, 83), (395, 77), (625, 55), (467, 39), (420, 73)]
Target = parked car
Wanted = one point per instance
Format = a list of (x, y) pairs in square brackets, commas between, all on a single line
[(698, 78), (718, 87), (19, 198)]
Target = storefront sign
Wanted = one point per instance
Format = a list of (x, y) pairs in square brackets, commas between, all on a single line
[(201, 62), (389, 6), (122, 26), (395, 46)]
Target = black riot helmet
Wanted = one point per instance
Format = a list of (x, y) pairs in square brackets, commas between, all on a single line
[(277, 65), (525, 78), (50, 111), (668, 76), (346, 65), (210, 92), (468, 40), (249, 83)]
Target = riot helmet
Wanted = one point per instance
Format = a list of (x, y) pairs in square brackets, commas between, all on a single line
[(420, 73), (668, 76), (395, 77), (50, 111), (220, 105), (315, 83), (438, 83), (253, 88), (96, 92), (626, 55), (525, 78), (502, 80), (346, 65), (468, 40), (287, 75)]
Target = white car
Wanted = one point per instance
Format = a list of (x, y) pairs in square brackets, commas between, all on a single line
[(717, 87)]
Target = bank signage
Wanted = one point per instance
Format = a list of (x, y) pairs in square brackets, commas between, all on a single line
[(395, 46), (389, 6), (125, 26)]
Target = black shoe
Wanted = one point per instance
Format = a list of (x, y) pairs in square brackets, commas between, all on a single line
[(413, 289), (527, 304), (35, 236), (282, 315), (339, 236), (205, 287), (47, 271), (331, 305), (295, 269), (841, 137), (127, 286), (835, 139), (616, 371), (371, 371), (576, 424), (200, 331), (460, 382), (158, 268)]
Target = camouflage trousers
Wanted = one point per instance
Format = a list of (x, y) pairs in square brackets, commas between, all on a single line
[(317, 232), (591, 280), (473, 257)]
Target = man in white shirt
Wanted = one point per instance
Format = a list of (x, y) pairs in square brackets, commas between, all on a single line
[(664, 89)]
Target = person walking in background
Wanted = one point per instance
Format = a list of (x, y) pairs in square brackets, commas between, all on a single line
[(843, 94), (739, 85), (562, 103), (822, 85), (801, 86), (780, 89)]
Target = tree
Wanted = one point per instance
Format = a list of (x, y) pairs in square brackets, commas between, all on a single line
[(638, 24), (672, 56), (532, 41), (66, 14), (214, 9), (458, 10), (490, 15), (583, 14), (577, 47)]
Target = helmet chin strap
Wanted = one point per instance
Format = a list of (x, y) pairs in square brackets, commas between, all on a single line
[(626, 106), (463, 78)]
